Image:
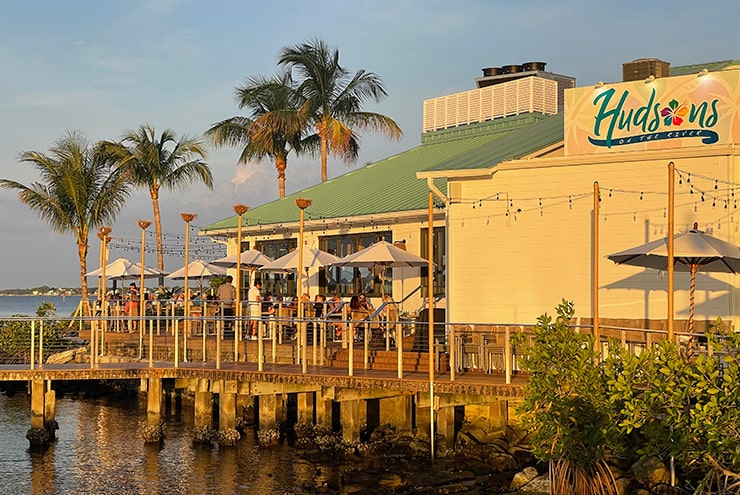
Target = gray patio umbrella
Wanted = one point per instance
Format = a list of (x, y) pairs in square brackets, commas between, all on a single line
[(381, 256), (692, 250)]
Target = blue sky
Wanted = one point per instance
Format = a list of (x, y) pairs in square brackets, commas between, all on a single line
[(105, 67)]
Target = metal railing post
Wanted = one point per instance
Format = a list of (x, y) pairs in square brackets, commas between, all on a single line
[(351, 347), (33, 344), (452, 344), (399, 348)]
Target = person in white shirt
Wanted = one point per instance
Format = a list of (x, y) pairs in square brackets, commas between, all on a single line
[(255, 307)]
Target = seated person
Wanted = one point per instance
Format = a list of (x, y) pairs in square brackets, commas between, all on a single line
[(268, 306), (319, 305), (358, 311), (365, 303), (335, 313)]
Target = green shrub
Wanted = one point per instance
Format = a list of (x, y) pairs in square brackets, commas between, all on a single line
[(566, 408)]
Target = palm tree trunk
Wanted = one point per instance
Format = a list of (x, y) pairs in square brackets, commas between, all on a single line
[(154, 193), (324, 146), (82, 253), (281, 162)]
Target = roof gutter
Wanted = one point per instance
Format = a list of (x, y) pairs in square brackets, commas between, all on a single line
[(436, 191)]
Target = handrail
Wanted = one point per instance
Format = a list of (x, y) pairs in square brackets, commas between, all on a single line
[(467, 346)]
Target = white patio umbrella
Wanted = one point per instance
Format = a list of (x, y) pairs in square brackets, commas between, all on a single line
[(692, 250), (122, 268), (198, 269), (381, 256), (250, 259), (312, 258)]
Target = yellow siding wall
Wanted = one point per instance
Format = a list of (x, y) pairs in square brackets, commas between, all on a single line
[(510, 269)]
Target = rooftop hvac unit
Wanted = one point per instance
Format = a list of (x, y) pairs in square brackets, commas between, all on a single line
[(642, 68)]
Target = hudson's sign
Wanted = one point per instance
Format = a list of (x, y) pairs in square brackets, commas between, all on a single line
[(654, 114)]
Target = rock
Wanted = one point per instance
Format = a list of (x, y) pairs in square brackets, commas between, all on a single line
[(463, 488), (391, 480), (651, 471), (623, 486), (348, 489), (502, 462), (663, 489), (66, 356), (538, 486), (420, 447), (523, 477)]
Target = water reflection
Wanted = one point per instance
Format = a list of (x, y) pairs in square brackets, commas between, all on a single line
[(99, 451)]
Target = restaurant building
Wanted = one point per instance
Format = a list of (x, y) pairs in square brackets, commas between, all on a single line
[(512, 166), (521, 233)]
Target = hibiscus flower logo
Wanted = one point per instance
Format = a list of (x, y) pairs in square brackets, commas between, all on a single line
[(674, 113)]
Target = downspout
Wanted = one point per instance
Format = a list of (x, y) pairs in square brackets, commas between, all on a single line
[(436, 191)]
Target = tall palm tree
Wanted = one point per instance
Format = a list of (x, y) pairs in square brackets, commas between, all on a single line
[(273, 128), (155, 163), (78, 192), (334, 100)]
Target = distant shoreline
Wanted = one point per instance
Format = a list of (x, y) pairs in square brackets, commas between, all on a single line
[(39, 295)]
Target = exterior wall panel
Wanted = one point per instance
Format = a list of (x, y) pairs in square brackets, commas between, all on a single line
[(510, 269)]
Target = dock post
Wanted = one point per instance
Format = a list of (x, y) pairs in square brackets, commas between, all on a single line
[(396, 411), (227, 406), (203, 412), (306, 407), (43, 410), (352, 414), (446, 426), (154, 429), (268, 414), (323, 405)]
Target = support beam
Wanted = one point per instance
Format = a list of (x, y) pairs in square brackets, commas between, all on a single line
[(268, 411), (446, 427), (203, 409), (323, 409), (351, 418), (38, 391), (351, 394), (267, 388), (423, 417), (226, 411), (306, 408), (396, 411), (499, 413), (154, 401)]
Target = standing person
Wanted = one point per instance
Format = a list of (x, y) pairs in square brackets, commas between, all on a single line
[(226, 296), (132, 306), (255, 308)]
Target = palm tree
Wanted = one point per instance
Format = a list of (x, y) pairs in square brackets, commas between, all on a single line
[(78, 192), (155, 163), (333, 100), (273, 128)]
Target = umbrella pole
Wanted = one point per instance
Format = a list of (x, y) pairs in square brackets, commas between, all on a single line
[(692, 340)]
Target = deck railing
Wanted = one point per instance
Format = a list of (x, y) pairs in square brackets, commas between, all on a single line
[(339, 339)]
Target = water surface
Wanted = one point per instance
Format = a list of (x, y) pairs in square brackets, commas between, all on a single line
[(99, 452)]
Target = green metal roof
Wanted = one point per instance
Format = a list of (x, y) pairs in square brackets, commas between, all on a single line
[(391, 185), (710, 66)]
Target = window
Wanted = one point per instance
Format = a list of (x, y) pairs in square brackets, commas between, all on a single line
[(349, 281), (440, 267), (278, 284)]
